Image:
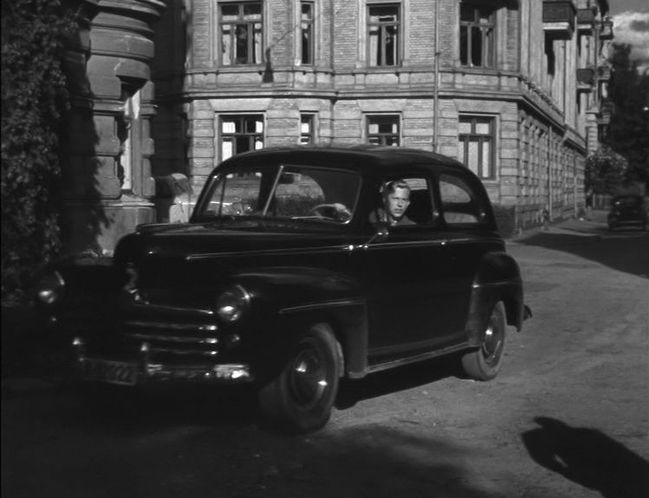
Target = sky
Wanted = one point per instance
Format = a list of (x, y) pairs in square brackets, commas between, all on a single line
[(631, 25), (619, 6)]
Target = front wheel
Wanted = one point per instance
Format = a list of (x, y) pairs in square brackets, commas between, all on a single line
[(485, 362), (300, 398)]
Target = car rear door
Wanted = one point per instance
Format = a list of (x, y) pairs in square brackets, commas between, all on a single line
[(465, 222)]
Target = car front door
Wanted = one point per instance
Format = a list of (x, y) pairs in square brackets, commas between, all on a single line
[(407, 277)]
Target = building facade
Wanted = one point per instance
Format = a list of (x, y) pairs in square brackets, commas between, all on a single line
[(108, 185), (512, 88)]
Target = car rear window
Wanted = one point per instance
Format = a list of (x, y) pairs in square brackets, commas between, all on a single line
[(460, 205)]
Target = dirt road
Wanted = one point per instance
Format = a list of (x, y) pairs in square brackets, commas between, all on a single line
[(567, 417)]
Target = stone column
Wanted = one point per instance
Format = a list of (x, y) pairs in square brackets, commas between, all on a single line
[(107, 183)]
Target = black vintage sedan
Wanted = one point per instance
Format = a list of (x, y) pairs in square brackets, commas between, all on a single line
[(285, 277), (628, 211)]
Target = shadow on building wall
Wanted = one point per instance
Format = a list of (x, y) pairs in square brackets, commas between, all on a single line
[(175, 194), (81, 212)]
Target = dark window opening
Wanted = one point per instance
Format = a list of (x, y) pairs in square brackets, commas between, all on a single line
[(241, 33), (383, 35), (307, 31), (241, 134), (383, 130), (477, 35)]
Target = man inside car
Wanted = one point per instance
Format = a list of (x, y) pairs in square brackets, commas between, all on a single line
[(395, 197)]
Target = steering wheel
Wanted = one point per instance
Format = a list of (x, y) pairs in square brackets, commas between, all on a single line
[(334, 211)]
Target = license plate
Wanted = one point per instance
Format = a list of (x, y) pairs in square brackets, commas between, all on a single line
[(113, 372)]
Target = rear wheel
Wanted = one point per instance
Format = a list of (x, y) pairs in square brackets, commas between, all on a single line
[(301, 397), (485, 362)]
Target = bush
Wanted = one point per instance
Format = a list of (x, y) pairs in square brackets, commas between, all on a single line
[(34, 98)]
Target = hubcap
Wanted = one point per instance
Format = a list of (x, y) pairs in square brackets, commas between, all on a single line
[(307, 377), (493, 341)]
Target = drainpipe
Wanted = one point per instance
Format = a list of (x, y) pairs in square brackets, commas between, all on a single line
[(436, 90), (549, 166)]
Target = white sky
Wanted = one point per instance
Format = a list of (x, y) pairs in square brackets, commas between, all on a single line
[(633, 28)]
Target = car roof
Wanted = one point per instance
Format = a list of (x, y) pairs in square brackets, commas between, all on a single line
[(353, 158)]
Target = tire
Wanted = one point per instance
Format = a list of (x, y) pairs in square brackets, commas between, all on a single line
[(485, 362), (300, 398)]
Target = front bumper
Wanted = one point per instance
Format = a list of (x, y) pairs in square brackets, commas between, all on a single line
[(142, 370)]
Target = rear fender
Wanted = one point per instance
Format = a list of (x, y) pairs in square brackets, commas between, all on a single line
[(497, 279)]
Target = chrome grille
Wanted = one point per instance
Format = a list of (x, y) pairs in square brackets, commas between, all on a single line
[(173, 338)]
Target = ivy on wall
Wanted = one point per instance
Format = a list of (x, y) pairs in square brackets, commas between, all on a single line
[(34, 99)]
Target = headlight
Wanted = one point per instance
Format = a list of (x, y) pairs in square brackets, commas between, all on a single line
[(50, 288), (232, 304)]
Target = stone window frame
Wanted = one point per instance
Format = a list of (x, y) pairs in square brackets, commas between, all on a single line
[(218, 36), (307, 137), (221, 135), (312, 43), (492, 51), (492, 119), (400, 38), (382, 136)]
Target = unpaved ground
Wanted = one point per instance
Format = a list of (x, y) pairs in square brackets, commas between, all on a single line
[(567, 417)]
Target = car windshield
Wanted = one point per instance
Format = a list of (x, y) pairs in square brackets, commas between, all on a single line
[(287, 192)]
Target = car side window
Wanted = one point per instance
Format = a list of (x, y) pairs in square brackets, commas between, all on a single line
[(403, 202), (460, 205), (420, 209)]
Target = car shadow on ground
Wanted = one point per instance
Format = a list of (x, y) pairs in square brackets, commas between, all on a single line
[(398, 379), (588, 457), (626, 251), (241, 461)]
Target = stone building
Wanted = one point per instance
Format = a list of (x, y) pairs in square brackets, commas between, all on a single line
[(510, 87), (108, 185)]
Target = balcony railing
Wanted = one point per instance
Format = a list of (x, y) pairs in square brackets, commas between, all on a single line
[(585, 20), (604, 73), (559, 18), (585, 78), (606, 29)]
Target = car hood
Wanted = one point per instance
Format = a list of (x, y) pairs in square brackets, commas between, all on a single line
[(201, 258), (205, 241)]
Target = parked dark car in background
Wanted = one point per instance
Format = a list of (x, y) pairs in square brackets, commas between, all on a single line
[(628, 211), (283, 279)]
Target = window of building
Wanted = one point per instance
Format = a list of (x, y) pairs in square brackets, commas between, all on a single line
[(477, 35), (241, 134), (550, 59), (241, 33), (128, 134), (307, 31), (383, 130), (476, 145), (383, 34), (307, 129)]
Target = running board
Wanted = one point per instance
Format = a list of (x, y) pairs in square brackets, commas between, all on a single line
[(417, 358)]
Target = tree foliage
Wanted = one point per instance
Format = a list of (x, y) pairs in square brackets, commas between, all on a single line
[(34, 98), (606, 171), (628, 131)]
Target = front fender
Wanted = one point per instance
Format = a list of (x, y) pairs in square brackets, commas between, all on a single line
[(291, 298)]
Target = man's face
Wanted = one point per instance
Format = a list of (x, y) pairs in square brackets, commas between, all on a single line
[(397, 202)]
